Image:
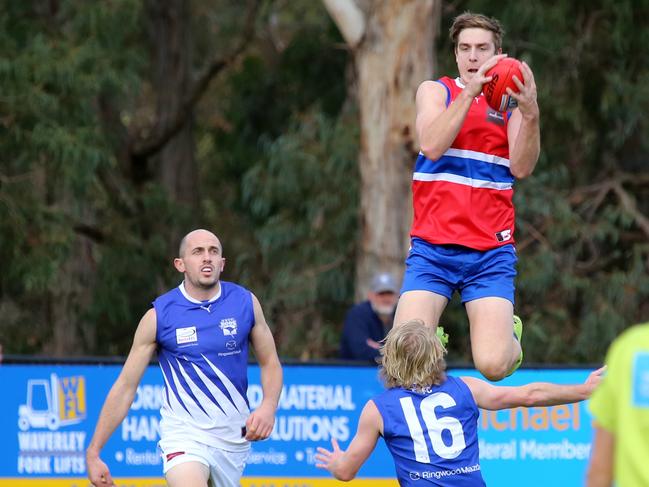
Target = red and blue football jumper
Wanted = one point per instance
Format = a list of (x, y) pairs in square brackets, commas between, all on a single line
[(465, 197)]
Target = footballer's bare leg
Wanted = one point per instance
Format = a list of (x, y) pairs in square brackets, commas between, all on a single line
[(189, 474), (493, 345), (420, 305)]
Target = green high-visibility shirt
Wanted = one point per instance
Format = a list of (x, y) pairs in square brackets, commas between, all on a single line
[(620, 405)]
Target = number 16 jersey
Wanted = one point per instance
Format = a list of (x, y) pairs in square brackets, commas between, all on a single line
[(432, 434)]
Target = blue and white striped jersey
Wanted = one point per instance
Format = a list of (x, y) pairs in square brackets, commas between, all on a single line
[(203, 354)]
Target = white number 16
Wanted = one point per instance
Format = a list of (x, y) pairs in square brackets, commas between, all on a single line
[(435, 427)]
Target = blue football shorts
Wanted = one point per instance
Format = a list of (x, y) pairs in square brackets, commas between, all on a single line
[(444, 269)]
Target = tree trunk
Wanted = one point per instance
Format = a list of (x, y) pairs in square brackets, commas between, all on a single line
[(392, 58), (175, 164), (70, 293), (68, 301)]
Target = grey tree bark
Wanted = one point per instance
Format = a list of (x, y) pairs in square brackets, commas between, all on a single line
[(393, 46)]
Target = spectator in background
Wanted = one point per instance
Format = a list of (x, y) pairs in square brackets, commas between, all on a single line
[(620, 406), (367, 323)]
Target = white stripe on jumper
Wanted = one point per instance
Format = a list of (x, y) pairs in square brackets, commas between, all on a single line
[(237, 398), (478, 156), (454, 178)]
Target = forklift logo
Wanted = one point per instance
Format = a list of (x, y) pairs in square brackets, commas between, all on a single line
[(59, 401)]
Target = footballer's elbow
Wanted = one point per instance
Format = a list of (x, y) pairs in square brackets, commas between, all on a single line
[(431, 152), (532, 396), (521, 173), (344, 475)]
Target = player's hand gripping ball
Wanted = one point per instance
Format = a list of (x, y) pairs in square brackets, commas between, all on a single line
[(495, 91)]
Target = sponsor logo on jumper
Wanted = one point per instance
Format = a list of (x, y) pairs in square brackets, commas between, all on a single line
[(504, 235), (496, 117), (186, 335), (232, 347), (439, 474)]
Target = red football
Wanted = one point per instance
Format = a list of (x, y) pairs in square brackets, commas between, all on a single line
[(495, 91)]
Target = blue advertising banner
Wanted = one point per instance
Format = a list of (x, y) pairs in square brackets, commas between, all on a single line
[(48, 414)]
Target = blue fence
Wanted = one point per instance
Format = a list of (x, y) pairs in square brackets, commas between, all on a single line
[(48, 413)]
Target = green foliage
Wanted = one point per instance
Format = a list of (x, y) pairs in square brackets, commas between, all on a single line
[(276, 144), (303, 201), (48, 149), (132, 270), (55, 60), (286, 165)]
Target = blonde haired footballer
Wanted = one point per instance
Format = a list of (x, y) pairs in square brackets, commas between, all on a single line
[(429, 419)]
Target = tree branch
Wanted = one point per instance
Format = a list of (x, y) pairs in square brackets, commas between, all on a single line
[(114, 128), (143, 148), (629, 205), (116, 132), (93, 233), (535, 235), (349, 19), (115, 190), (635, 179)]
